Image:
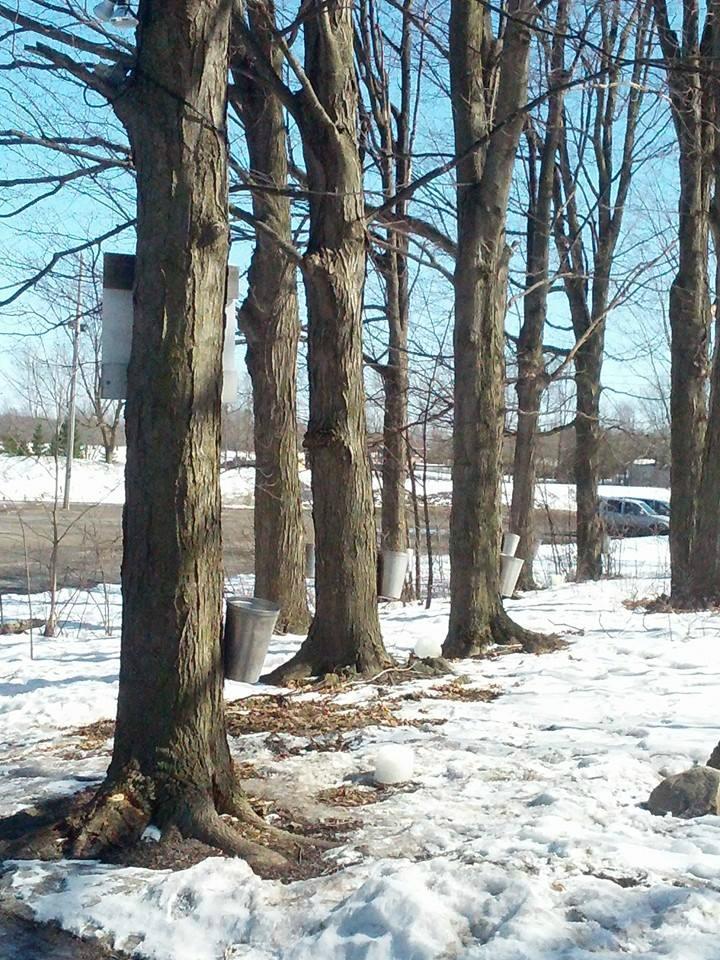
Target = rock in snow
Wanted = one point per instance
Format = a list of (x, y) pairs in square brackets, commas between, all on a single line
[(692, 793)]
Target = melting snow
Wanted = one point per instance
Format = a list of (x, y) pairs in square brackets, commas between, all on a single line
[(521, 836)]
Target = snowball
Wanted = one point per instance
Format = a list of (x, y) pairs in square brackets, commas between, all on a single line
[(394, 764), (428, 647)]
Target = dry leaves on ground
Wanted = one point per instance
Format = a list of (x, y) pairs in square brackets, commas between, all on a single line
[(307, 718), (348, 796)]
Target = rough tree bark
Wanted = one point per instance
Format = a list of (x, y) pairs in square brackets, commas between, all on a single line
[(705, 550), (269, 319), (394, 531), (345, 631), (488, 83), (532, 378)]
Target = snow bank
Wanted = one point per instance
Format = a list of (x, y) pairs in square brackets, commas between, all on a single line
[(24, 479), (30, 479)]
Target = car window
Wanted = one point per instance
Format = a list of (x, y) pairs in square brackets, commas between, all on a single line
[(613, 506), (634, 509)]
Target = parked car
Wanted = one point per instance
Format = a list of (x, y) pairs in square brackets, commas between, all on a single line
[(660, 507), (625, 517)]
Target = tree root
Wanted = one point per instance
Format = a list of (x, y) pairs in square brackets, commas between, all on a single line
[(287, 673), (199, 820), (112, 820), (302, 667), (500, 631), (505, 631), (115, 818), (293, 845)]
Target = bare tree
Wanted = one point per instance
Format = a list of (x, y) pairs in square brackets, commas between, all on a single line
[(345, 630), (587, 264), (690, 58), (394, 124), (531, 374), (488, 79), (269, 320), (171, 762), (705, 550)]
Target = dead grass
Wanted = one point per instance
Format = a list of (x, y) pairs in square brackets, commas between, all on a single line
[(248, 771), (320, 720), (458, 689), (659, 604), (348, 796), (92, 738), (307, 718)]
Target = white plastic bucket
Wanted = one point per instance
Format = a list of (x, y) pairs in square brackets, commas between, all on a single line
[(510, 543), (249, 624), (394, 569), (510, 568)]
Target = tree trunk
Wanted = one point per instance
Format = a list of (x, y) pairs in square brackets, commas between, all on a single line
[(170, 708), (522, 505), (394, 125), (171, 762), (689, 322), (588, 435), (476, 617), (705, 551), (108, 446), (587, 267), (693, 99), (532, 378), (108, 431), (590, 337), (269, 320), (394, 533), (345, 631)]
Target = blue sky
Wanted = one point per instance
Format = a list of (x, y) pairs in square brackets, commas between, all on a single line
[(637, 351)]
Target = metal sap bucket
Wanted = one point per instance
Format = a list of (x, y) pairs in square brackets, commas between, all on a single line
[(309, 561), (510, 568), (510, 543), (249, 624), (394, 570)]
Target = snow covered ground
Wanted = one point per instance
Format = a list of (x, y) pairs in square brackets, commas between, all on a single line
[(37, 479), (30, 478), (522, 836)]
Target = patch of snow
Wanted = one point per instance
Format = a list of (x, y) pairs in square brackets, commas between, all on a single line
[(521, 837), (34, 479), (39, 479)]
